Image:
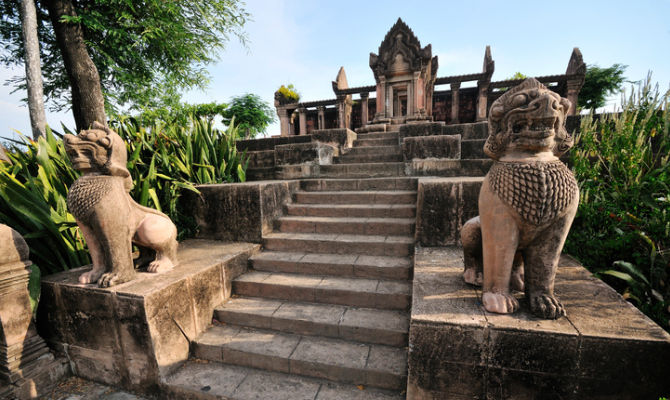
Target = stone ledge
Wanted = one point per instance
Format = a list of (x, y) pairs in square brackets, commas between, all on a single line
[(239, 211), (438, 146), (443, 206), (132, 334), (605, 348)]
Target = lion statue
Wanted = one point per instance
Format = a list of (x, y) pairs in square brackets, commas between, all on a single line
[(108, 217), (526, 204)]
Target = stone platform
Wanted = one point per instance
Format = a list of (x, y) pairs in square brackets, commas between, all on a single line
[(133, 334), (604, 349)]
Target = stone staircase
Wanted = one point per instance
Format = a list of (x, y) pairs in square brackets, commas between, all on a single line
[(323, 312)]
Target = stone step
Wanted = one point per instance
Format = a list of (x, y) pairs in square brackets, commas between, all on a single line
[(377, 135), (363, 226), (260, 174), (362, 170), (367, 158), (359, 184), (374, 150), (313, 356), (355, 292), (373, 245), (366, 325), (473, 149), (376, 142), (209, 381), (353, 210), (351, 265), (356, 197)]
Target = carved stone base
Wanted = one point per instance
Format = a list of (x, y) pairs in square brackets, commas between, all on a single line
[(605, 348), (131, 334)]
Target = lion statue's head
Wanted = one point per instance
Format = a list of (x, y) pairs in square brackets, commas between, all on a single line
[(98, 151), (530, 118)]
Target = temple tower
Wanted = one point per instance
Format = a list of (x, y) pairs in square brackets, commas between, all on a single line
[(405, 76)]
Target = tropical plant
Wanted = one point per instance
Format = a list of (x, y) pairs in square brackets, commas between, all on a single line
[(251, 114), (163, 160), (622, 228)]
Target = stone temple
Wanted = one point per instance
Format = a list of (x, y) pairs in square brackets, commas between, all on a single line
[(408, 89), (336, 270)]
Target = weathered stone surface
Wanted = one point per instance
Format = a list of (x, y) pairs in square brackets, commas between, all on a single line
[(440, 146), (300, 153), (458, 350), (239, 211), (443, 206), (132, 333), (27, 368), (446, 167), (269, 143), (476, 130), (420, 129), (261, 159), (340, 138)]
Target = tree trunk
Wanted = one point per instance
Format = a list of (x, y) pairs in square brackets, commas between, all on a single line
[(33, 69), (88, 104)]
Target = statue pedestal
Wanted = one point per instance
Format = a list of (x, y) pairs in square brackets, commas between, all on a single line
[(132, 334), (605, 348)]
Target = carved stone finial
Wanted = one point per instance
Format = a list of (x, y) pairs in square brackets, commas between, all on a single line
[(527, 202), (27, 368), (108, 217)]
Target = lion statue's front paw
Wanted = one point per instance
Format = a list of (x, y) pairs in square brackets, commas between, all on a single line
[(90, 276), (500, 303), (113, 278), (473, 277), (546, 306), (160, 265)]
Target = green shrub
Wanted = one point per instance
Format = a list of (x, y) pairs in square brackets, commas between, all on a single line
[(622, 228), (163, 160)]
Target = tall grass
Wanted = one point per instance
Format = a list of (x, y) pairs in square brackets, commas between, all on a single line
[(622, 227), (163, 160)]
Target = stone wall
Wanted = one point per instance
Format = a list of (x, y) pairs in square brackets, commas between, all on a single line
[(443, 205), (239, 211)]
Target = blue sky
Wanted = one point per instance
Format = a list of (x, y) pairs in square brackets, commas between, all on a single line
[(306, 42)]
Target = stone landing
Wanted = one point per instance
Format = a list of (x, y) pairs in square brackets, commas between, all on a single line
[(604, 349)]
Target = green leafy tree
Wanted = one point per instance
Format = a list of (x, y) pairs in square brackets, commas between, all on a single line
[(251, 114), (600, 83), (143, 52)]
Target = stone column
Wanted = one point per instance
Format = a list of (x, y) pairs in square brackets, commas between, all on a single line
[(364, 108), (455, 86), (389, 102), (27, 367), (302, 117), (284, 121), (573, 95), (340, 111), (482, 100), (381, 99), (321, 117)]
